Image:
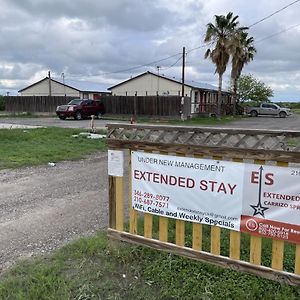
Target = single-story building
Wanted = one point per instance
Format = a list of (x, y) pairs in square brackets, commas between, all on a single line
[(150, 84), (70, 88)]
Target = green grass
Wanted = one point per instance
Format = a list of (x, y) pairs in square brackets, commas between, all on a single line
[(4, 114), (191, 122), (19, 147), (98, 268), (296, 111)]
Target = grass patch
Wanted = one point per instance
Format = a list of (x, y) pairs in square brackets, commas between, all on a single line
[(191, 122), (18, 115), (19, 147), (98, 268), (296, 111), (206, 121)]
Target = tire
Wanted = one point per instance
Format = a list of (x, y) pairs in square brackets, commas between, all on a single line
[(78, 116), (282, 114), (253, 113), (62, 117)]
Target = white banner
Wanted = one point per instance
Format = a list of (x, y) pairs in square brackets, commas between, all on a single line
[(198, 190), (261, 199)]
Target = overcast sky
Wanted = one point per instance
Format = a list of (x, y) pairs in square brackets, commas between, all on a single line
[(99, 40)]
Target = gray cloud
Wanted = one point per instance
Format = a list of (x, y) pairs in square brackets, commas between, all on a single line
[(93, 39)]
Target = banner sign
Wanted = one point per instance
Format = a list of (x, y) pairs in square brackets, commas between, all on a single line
[(263, 200), (271, 202)]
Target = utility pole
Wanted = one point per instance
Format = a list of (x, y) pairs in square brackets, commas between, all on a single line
[(183, 66), (182, 87), (63, 77), (49, 75), (158, 68)]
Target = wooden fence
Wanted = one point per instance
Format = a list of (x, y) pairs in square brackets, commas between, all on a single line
[(128, 105), (147, 105), (258, 146), (34, 104)]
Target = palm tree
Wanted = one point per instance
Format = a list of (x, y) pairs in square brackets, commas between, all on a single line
[(220, 34), (242, 50)]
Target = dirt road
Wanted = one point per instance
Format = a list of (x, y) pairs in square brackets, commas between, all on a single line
[(44, 207), (264, 122)]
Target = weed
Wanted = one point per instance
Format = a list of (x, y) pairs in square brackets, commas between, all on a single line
[(98, 268), (20, 147)]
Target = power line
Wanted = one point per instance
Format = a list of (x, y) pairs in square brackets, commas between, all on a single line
[(274, 13), (140, 66), (208, 44), (282, 31), (167, 68)]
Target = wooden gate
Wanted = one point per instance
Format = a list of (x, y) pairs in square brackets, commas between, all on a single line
[(239, 145)]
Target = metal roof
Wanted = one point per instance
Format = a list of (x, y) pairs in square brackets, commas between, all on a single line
[(192, 84), (86, 86), (79, 85)]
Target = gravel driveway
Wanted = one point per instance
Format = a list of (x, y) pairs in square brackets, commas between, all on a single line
[(264, 122), (44, 207)]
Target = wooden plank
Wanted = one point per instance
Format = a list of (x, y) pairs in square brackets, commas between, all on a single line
[(197, 228), (280, 276), (277, 254), (180, 225), (235, 236), (112, 201), (163, 229), (132, 212), (297, 259), (119, 204), (278, 245), (275, 155), (235, 244), (180, 232), (197, 236), (291, 133), (148, 225), (215, 240), (163, 221), (255, 250)]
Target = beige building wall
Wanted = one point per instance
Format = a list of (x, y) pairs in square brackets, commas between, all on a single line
[(42, 89), (150, 85)]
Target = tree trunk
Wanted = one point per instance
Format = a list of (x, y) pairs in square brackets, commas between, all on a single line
[(219, 97), (234, 95)]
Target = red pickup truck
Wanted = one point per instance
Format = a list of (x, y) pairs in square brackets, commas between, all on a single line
[(80, 108)]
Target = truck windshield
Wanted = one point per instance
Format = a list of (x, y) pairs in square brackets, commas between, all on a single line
[(75, 102)]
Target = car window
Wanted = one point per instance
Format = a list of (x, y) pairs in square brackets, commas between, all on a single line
[(87, 102), (75, 102)]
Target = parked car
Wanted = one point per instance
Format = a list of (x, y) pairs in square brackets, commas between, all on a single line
[(80, 108), (268, 109)]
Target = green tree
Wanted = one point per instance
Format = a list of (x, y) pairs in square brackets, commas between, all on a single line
[(242, 50), (219, 35), (251, 89)]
